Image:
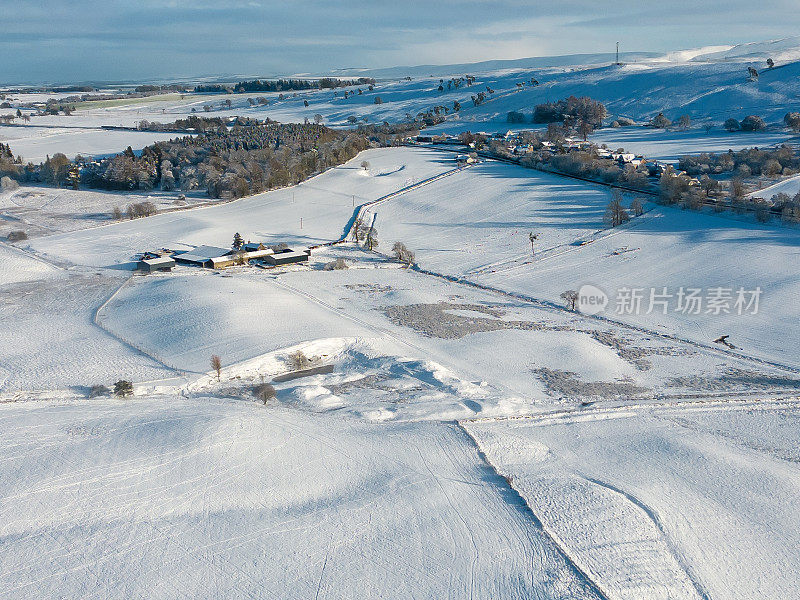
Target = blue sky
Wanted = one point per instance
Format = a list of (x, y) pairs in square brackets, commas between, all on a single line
[(142, 39)]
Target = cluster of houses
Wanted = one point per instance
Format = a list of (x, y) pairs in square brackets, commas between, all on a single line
[(212, 257), (516, 146)]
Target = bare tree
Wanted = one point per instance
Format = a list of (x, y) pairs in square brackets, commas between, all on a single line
[(403, 254), (585, 128), (336, 265), (533, 237), (570, 297), (216, 364), (96, 391), (365, 165), (264, 392), (738, 189), (615, 213), (371, 239), (298, 361), (636, 207)]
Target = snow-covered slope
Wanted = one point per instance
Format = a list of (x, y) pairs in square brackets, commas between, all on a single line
[(317, 210), (669, 503), (205, 498), (16, 267), (482, 216), (475, 224), (187, 318)]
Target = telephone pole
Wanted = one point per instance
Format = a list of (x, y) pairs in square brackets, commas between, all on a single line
[(617, 53)]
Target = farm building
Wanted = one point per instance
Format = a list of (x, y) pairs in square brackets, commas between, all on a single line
[(202, 255), (150, 263), (233, 258), (287, 257), (218, 258)]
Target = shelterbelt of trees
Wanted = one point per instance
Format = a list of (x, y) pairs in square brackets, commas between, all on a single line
[(228, 162), (248, 158), (282, 85), (236, 162)]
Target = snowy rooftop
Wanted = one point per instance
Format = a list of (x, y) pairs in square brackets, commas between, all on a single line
[(202, 254)]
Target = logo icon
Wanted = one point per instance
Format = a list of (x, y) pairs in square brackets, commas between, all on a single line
[(591, 300)]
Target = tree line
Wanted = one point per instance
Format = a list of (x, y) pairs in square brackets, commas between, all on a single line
[(282, 85)]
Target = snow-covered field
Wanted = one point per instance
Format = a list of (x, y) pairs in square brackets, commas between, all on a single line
[(708, 84), (789, 186), (620, 457), (187, 318), (670, 144), (34, 144), (49, 342), (482, 216), (203, 498), (317, 210), (682, 502), (41, 210), (16, 266), (673, 249), (475, 224)]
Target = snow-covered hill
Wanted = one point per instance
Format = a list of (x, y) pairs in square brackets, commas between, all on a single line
[(710, 84)]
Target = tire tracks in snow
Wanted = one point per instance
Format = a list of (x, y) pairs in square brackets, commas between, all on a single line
[(653, 516), (502, 482)]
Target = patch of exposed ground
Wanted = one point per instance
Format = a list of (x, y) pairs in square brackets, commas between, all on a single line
[(567, 383), (735, 379), (437, 320), (369, 288), (368, 382), (636, 355)]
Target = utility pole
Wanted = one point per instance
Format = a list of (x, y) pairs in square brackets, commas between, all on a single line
[(617, 53)]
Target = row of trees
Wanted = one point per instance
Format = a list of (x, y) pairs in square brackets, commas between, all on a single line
[(587, 164), (743, 163), (283, 85), (191, 123), (662, 122), (680, 189), (245, 159)]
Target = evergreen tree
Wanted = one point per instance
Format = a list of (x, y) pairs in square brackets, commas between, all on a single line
[(123, 388), (238, 242)]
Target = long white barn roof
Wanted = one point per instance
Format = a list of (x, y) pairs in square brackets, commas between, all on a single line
[(202, 254)]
